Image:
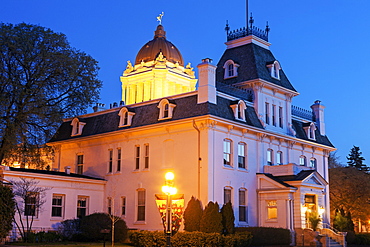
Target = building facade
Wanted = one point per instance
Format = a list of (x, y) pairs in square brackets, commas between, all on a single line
[(237, 137)]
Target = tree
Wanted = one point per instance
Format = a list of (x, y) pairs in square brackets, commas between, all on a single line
[(333, 160), (193, 215), (211, 221), (228, 218), (349, 191), (42, 80), (29, 201), (7, 207), (356, 160)]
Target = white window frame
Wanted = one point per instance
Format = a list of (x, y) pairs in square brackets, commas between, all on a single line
[(125, 117), (61, 206), (271, 205), (110, 160), (119, 160), (274, 69), (230, 69), (228, 194), (146, 156), (243, 205), (165, 109), (273, 115), (123, 205), (270, 157), (81, 207), (239, 110), (141, 205), (228, 152), (242, 155), (80, 166), (302, 160), (267, 112), (31, 204), (110, 206), (77, 127), (281, 118), (313, 163), (137, 157), (279, 157)]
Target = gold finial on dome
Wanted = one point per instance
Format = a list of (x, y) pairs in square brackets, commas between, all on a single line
[(159, 18)]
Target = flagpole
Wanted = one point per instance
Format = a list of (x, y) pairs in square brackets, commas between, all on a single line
[(246, 13)]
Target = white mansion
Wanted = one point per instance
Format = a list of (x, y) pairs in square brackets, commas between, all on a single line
[(235, 137)]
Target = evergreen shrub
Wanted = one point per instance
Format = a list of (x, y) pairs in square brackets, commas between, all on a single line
[(267, 235)]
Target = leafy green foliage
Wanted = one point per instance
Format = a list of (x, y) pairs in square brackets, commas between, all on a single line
[(356, 160), (193, 215), (42, 80), (228, 218), (7, 209), (342, 221), (349, 191), (91, 227), (211, 221), (314, 220), (193, 239)]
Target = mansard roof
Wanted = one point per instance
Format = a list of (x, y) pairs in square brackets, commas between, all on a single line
[(147, 114), (300, 133), (277, 179), (253, 60), (55, 173)]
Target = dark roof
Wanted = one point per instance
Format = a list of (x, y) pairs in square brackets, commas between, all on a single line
[(252, 59), (55, 173), (277, 179), (145, 115), (299, 177), (300, 133)]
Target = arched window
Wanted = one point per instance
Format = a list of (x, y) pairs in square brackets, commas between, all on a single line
[(227, 194), (313, 163), (274, 68), (279, 158), (269, 157), (77, 127), (231, 69), (302, 160), (239, 110), (242, 155), (165, 109), (125, 117), (228, 155)]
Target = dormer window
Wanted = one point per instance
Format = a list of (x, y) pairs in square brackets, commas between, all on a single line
[(77, 127), (239, 110), (274, 69), (310, 130), (125, 117), (165, 109), (231, 69)]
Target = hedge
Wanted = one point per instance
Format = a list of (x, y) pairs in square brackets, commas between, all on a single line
[(267, 235), (189, 239)]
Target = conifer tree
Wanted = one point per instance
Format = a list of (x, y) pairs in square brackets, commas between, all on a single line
[(211, 221), (193, 215), (7, 209), (356, 160), (228, 218)]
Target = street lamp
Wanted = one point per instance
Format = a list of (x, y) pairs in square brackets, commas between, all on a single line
[(169, 189)]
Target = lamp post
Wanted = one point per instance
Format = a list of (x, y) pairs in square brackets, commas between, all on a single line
[(169, 189)]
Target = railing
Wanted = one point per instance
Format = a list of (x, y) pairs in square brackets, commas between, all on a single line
[(302, 113), (243, 32), (339, 237)]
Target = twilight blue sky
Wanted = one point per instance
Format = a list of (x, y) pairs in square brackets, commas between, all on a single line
[(321, 45)]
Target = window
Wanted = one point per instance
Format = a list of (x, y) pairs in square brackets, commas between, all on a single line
[(239, 110), (269, 157), (267, 113), (77, 127), (241, 154), (110, 162), (227, 195), (231, 69), (118, 160), (109, 205), (280, 117), (274, 115), (141, 205), (310, 130), (242, 205), (313, 163), (80, 163), (125, 117), (279, 158), (82, 206), (30, 207), (227, 152), (272, 210), (165, 109), (146, 157), (274, 69), (57, 206), (123, 205), (302, 160), (137, 157)]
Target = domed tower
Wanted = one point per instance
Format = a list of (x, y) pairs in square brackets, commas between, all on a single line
[(158, 72)]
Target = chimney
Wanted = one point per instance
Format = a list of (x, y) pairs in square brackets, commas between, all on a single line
[(67, 169), (99, 107), (318, 112), (207, 82)]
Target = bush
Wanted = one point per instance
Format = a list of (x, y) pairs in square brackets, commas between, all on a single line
[(92, 225), (192, 215), (69, 228), (228, 218), (362, 239), (44, 237), (267, 235), (211, 221), (190, 239)]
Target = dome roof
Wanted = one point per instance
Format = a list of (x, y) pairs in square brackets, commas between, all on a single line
[(151, 50)]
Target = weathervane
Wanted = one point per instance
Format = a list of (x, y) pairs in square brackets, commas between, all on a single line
[(159, 18)]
